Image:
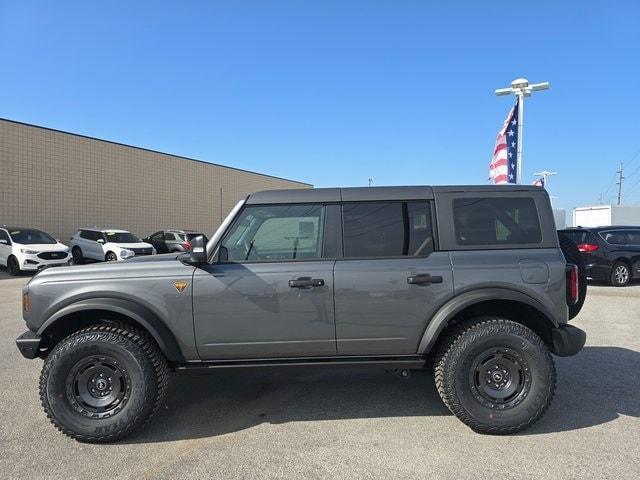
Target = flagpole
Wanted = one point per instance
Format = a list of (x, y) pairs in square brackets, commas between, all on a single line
[(521, 88), (520, 122)]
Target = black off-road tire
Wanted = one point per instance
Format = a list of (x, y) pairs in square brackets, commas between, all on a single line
[(140, 372), (13, 267), (573, 255), (463, 390), (620, 274), (76, 254)]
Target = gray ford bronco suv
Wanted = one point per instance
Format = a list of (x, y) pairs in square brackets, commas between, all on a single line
[(469, 280)]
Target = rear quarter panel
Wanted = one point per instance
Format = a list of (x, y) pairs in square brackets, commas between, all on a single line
[(538, 273)]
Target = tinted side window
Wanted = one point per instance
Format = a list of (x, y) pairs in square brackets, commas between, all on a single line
[(633, 237), (496, 221), (4, 236), (276, 232), (169, 236), (85, 234), (387, 229), (622, 237)]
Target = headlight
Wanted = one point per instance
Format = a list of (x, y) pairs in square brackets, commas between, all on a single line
[(124, 253), (29, 252)]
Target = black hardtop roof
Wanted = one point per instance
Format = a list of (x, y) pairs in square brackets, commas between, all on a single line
[(353, 194)]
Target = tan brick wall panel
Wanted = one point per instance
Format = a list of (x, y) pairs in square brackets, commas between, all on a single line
[(58, 182)]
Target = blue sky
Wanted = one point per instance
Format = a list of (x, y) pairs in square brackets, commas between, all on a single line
[(333, 92)]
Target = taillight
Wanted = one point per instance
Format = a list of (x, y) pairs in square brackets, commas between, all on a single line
[(587, 247), (186, 245), (573, 285)]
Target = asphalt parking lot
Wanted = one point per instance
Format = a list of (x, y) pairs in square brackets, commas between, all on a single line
[(342, 424)]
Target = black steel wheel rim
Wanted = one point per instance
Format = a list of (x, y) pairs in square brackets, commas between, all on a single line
[(500, 378), (111, 257), (98, 386)]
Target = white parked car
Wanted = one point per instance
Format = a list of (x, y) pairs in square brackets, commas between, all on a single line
[(28, 249), (107, 244)]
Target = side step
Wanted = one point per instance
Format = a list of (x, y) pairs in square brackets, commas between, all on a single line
[(404, 362)]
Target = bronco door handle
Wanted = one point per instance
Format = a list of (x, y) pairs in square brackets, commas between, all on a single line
[(424, 278), (306, 282)]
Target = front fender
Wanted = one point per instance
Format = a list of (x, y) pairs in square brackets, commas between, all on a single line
[(138, 313), (454, 306)]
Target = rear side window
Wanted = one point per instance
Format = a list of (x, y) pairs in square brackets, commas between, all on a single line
[(496, 221), (387, 229)]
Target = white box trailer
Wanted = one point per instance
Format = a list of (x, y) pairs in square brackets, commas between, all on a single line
[(605, 215)]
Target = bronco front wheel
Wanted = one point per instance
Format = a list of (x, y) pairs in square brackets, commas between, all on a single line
[(495, 375), (101, 383)]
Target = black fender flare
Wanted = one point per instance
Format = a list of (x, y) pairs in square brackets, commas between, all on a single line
[(458, 303), (140, 314)]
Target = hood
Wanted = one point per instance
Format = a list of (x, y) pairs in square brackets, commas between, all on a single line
[(131, 245), (134, 267), (44, 247)]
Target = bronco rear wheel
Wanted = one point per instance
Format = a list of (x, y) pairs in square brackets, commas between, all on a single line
[(103, 382), (495, 375)]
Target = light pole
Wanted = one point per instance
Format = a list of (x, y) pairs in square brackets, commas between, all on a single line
[(521, 88)]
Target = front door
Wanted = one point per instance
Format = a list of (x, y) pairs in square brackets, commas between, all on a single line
[(271, 295), (390, 281)]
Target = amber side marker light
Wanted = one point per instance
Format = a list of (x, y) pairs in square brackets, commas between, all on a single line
[(26, 303)]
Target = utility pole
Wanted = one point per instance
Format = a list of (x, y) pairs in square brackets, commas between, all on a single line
[(370, 181), (619, 182), (521, 88)]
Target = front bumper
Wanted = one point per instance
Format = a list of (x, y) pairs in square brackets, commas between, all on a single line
[(567, 340), (34, 263), (29, 344)]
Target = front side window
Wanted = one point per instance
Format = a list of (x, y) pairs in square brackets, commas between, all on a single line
[(496, 221), (621, 237), (387, 229), (4, 236), (276, 232)]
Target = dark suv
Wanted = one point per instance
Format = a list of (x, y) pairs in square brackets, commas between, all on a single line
[(170, 241), (610, 254), (470, 280)]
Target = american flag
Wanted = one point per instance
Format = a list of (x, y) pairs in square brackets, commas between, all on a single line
[(503, 167)]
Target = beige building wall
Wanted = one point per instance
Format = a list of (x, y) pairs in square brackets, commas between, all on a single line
[(58, 182)]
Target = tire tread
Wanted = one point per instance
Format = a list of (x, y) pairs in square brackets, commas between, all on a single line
[(118, 333)]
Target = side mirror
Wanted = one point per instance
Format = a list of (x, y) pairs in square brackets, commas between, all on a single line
[(100, 240), (198, 252)]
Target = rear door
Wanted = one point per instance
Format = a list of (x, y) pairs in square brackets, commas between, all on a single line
[(391, 279), (271, 295)]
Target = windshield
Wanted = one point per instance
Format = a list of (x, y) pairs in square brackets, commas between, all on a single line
[(32, 237), (121, 237)]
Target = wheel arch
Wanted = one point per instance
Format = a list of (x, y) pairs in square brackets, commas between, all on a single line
[(509, 304), (93, 311)]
